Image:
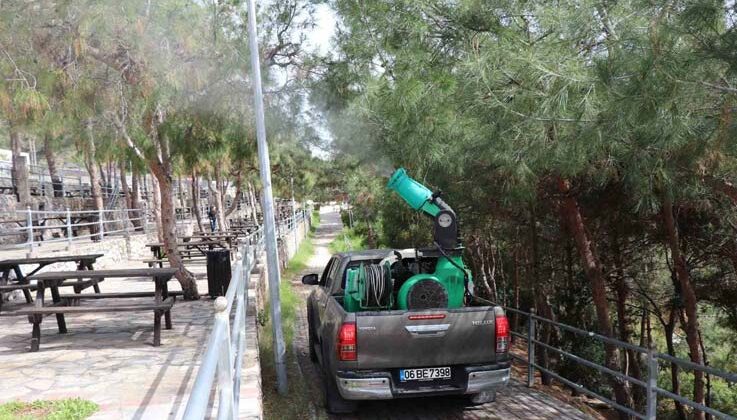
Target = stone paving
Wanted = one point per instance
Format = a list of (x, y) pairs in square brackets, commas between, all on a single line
[(109, 358), (514, 402)]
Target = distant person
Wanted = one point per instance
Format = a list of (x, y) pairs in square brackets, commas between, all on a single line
[(213, 215)]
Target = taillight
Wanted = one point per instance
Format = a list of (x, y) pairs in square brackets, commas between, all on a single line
[(347, 342), (501, 329)]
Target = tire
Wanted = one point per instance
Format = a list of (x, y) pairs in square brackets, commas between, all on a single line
[(311, 337), (482, 398), (334, 402)]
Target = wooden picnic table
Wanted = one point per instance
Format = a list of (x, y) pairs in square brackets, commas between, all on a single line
[(84, 262), (230, 238), (62, 304), (157, 248)]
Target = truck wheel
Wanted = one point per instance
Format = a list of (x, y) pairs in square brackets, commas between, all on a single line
[(482, 398), (336, 404), (311, 337)]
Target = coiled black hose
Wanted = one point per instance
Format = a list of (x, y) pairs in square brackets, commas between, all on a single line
[(375, 285)]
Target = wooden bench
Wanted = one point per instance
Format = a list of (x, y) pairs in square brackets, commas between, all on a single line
[(76, 297), (69, 303), (36, 313)]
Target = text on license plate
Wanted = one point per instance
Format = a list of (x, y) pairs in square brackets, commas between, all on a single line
[(424, 374)]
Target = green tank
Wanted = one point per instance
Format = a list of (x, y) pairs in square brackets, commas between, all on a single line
[(443, 288)]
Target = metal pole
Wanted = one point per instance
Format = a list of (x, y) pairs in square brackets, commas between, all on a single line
[(530, 349), (272, 257), (100, 216), (69, 228), (29, 223)]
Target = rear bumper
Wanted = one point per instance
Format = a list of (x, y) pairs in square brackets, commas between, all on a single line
[(381, 385)]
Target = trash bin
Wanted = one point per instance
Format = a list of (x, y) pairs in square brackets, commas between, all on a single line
[(218, 272)]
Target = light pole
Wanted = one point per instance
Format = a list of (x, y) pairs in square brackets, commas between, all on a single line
[(272, 257)]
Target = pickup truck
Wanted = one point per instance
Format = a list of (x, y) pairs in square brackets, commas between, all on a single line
[(375, 355)]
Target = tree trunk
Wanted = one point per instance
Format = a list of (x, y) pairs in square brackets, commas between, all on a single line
[(156, 199), (675, 381), (103, 181), (630, 364), (689, 301), (92, 169), (254, 203), (708, 377), (236, 199), (169, 232), (56, 180), (540, 299), (126, 190), (220, 197), (135, 197), (594, 273), (515, 279), (19, 171), (180, 193), (196, 200)]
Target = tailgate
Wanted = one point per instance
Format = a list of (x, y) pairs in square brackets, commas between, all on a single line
[(401, 339)]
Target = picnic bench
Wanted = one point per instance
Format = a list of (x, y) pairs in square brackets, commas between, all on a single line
[(71, 303), (228, 237), (84, 262), (186, 249)]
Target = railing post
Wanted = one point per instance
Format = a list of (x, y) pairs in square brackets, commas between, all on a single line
[(69, 228), (29, 224), (530, 348), (225, 368), (652, 382), (100, 216)]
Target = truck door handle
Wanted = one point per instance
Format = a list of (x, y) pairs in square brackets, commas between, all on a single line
[(428, 330)]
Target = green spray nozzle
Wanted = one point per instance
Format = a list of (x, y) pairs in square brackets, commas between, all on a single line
[(415, 194)]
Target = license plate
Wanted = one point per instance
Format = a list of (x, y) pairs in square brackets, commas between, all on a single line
[(424, 374)]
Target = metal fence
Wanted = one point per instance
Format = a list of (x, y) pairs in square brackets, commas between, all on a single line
[(31, 228), (227, 342), (649, 383), (223, 356)]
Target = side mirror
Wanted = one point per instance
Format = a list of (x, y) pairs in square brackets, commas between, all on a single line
[(310, 279)]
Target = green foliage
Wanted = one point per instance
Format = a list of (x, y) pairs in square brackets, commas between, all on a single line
[(314, 220), (346, 241), (66, 409), (498, 106)]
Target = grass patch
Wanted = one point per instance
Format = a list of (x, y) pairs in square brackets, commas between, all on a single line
[(297, 403), (314, 220), (300, 259), (347, 240), (67, 409)]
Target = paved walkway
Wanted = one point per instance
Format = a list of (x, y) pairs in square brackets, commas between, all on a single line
[(109, 358), (514, 402)]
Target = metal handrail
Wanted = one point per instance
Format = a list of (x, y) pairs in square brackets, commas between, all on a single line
[(223, 355), (649, 384), (107, 221)]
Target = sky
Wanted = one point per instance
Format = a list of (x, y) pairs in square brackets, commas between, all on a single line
[(318, 39)]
